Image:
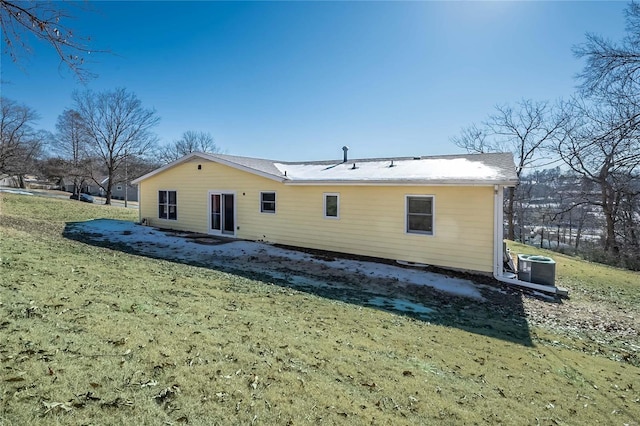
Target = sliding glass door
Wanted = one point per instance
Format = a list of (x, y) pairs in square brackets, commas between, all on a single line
[(222, 207)]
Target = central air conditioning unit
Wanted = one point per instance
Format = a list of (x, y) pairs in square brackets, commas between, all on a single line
[(536, 269)]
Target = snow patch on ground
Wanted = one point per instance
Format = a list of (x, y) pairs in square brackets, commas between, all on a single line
[(401, 305), (295, 267), (15, 191)]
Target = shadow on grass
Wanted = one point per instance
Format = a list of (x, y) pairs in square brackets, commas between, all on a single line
[(500, 315)]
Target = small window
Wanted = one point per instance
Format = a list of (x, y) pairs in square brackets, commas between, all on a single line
[(268, 202), (420, 215), (119, 188), (331, 206), (167, 205)]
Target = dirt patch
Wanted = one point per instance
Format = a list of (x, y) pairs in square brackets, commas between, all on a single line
[(199, 238)]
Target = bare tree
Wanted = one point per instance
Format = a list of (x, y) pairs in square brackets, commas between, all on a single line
[(613, 67), (53, 169), (117, 127), (555, 202), (629, 229), (524, 130), (46, 21), (191, 141), (20, 143), (601, 143), (71, 144)]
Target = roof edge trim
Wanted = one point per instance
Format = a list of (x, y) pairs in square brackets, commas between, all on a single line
[(434, 182), (208, 157)]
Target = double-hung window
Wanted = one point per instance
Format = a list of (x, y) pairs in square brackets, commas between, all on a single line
[(167, 205), (331, 206), (268, 202), (419, 218)]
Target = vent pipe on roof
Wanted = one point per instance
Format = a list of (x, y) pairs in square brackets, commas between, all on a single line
[(345, 149)]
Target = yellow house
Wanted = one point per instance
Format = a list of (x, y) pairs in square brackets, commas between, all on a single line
[(443, 211)]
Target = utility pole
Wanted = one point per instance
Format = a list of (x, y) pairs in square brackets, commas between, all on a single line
[(126, 179)]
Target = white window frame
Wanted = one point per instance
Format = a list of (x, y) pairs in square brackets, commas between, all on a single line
[(324, 205), (275, 202), (118, 187), (406, 215), (168, 204)]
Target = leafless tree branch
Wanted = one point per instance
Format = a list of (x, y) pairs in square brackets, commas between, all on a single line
[(45, 21), (117, 127)]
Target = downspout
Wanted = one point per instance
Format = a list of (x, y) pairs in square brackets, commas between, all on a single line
[(498, 255)]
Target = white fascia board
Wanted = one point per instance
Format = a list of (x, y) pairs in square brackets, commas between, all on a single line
[(212, 159), (394, 183)]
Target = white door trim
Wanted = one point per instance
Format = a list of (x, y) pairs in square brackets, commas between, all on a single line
[(222, 193)]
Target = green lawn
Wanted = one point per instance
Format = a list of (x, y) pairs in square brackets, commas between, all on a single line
[(591, 281), (92, 335)]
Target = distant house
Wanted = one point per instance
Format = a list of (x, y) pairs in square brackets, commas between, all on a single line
[(9, 181), (69, 183), (77, 184), (26, 181), (89, 186), (118, 190), (445, 211)]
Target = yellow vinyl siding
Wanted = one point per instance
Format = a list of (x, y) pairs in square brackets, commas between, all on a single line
[(371, 218)]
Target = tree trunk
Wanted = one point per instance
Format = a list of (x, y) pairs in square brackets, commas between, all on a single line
[(77, 185), (522, 219), (510, 200), (610, 238), (579, 227), (609, 215), (633, 237), (107, 196), (578, 235)]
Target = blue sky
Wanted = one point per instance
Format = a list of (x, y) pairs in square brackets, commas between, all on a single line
[(298, 80)]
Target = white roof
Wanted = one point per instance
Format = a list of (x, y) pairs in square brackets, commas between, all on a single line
[(466, 169), (440, 169)]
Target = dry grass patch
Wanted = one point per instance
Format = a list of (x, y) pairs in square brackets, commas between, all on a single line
[(92, 335)]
